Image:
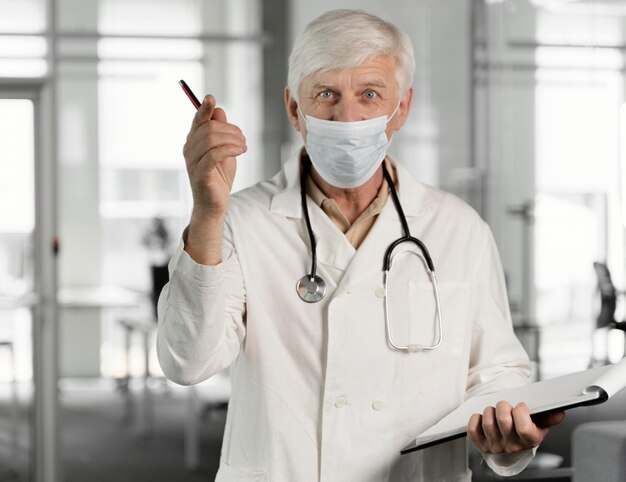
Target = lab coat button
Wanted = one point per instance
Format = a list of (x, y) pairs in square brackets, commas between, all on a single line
[(378, 405), (340, 402), (380, 292)]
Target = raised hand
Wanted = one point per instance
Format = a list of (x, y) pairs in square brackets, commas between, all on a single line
[(210, 154), (210, 151)]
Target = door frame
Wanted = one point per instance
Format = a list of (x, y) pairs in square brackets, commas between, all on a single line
[(45, 413)]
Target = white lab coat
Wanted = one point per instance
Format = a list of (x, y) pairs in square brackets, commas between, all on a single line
[(317, 394)]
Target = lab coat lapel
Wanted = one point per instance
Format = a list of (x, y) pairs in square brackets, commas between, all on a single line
[(369, 257), (286, 200), (333, 248), (387, 228)]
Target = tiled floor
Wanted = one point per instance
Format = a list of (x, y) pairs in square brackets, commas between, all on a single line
[(100, 444)]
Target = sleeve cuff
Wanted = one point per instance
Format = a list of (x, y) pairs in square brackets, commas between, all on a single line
[(509, 464), (202, 275)]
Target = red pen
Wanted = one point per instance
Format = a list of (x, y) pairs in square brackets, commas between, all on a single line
[(194, 100)]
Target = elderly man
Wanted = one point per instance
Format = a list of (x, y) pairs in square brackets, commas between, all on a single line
[(334, 372)]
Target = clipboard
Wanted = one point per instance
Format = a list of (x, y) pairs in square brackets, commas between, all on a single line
[(587, 387)]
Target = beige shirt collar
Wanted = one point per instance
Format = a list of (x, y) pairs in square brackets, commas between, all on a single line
[(357, 231)]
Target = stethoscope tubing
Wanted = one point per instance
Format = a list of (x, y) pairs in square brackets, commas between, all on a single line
[(312, 288), (306, 168)]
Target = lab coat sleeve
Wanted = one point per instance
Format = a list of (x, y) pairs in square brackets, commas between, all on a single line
[(497, 359), (201, 316)]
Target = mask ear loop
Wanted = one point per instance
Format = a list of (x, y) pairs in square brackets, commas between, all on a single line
[(395, 111), (301, 113)]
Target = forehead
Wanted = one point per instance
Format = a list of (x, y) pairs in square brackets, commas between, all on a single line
[(379, 70)]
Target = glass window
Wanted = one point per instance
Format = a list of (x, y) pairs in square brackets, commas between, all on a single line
[(17, 213), (22, 55), (143, 121), (22, 16), (556, 83), (17, 221), (158, 17), (144, 117)]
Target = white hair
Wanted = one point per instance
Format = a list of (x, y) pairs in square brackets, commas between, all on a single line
[(344, 39)]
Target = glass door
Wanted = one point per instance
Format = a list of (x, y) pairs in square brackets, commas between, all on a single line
[(17, 285)]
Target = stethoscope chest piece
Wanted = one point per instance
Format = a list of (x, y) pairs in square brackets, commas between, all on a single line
[(311, 288)]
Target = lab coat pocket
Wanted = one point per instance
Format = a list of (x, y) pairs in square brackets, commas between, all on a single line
[(228, 473), (423, 328)]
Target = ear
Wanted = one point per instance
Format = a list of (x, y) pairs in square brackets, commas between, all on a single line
[(292, 110), (403, 109)]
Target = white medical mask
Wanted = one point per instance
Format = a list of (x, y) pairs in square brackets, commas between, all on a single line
[(347, 154)]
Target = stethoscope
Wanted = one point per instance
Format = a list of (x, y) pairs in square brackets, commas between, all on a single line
[(312, 288)]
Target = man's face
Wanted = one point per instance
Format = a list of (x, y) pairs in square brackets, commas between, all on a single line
[(364, 92)]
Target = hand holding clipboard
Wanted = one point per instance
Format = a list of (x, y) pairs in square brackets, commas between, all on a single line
[(588, 387)]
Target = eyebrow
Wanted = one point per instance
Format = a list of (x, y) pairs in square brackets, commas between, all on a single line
[(367, 83), (321, 85), (374, 83)]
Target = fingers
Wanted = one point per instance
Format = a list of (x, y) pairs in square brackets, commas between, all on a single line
[(204, 112), (211, 138), (492, 431), (476, 434), (213, 157), (504, 419), (219, 115), (528, 432), (548, 419), (507, 429), (207, 112), (484, 430), (532, 430)]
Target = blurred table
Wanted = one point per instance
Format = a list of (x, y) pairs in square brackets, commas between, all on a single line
[(80, 310), (10, 302), (99, 297), (77, 322)]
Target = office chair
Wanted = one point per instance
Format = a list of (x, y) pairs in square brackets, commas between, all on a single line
[(609, 295)]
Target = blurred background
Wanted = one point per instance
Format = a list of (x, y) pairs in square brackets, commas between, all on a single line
[(518, 109)]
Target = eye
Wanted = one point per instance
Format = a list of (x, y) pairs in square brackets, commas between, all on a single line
[(370, 94), (326, 94)]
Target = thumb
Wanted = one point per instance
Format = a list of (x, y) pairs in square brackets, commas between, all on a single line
[(548, 419), (219, 115)]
